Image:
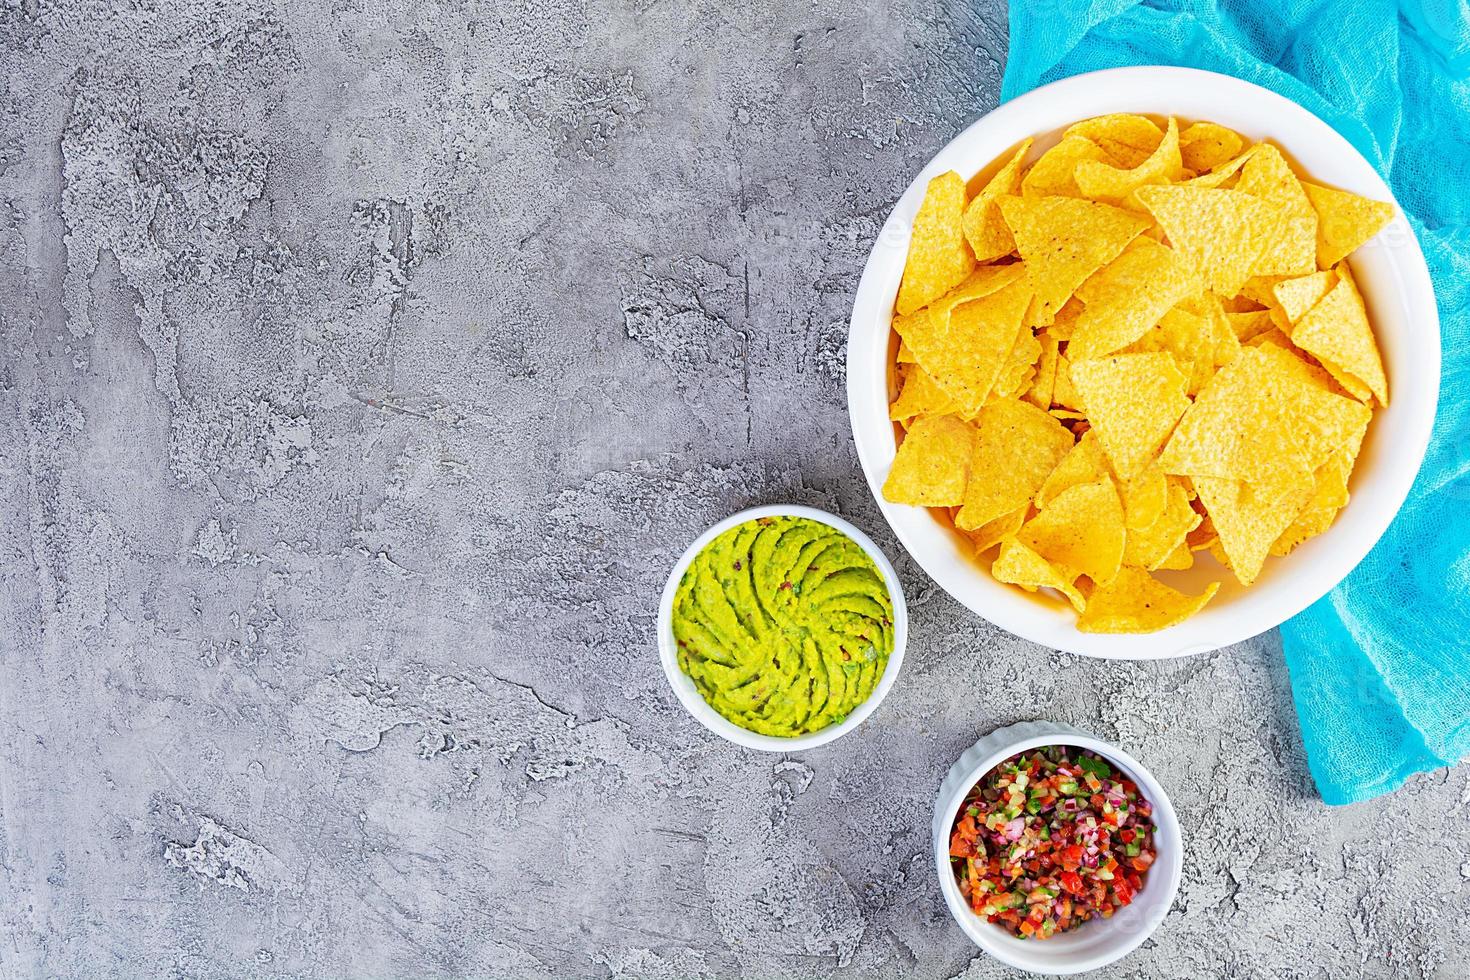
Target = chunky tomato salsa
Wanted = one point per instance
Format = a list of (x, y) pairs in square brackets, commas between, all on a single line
[(1050, 839)]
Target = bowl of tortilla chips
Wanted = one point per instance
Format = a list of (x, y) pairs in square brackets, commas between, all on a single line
[(1143, 363)]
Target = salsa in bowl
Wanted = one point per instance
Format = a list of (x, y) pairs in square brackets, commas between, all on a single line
[(1051, 839), (1055, 851)]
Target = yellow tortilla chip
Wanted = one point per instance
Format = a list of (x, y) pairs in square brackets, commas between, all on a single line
[(1063, 395), (1222, 232), (1249, 518), (1291, 242), (1205, 145), (1127, 139), (905, 356), (1128, 296), (1064, 240), (1133, 400), (1294, 297), (984, 281), (1344, 221), (1065, 323), (1051, 174), (1136, 602), (1329, 495), (938, 259), (966, 355), (1187, 336), (987, 536), (1111, 185), (984, 228), (1084, 463), (1258, 289), (1179, 559), (920, 395), (1250, 323), (1017, 446), (1150, 547), (1080, 529), (1015, 375), (1336, 331), (1019, 565), (1227, 345), (1040, 392), (933, 463), (1145, 498), (1264, 418), (1223, 175)]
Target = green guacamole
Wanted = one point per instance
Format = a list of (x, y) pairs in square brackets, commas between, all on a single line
[(784, 625)]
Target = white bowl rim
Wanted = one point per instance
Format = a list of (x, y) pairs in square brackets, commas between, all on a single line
[(1031, 956), (689, 695), (1320, 563)]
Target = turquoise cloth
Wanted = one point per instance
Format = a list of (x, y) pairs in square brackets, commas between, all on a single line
[(1380, 668)]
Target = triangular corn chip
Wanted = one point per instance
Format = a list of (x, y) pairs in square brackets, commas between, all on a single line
[(938, 256), (1019, 565), (1222, 232), (1145, 497), (1127, 139), (1064, 240), (1051, 174), (1084, 463), (1128, 296), (933, 463), (1019, 367), (1112, 185), (992, 533), (920, 395), (1344, 221), (1291, 244), (1250, 324), (1205, 145), (984, 228), (1017, 447), (1187, 336), (1150, 547), (1264, 418), (1040, 392), (1179, 559), (1249, 518), (1329, 495), (1294, 297), (1336, 332), (1133, 401), (967, 353), (1080, 529), (1136, 602)]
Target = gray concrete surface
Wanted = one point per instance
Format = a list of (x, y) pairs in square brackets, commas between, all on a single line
[(363, 369)]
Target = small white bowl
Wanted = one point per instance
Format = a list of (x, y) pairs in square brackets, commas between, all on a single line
[(1395, 283), (1094, 944), (694, 702)]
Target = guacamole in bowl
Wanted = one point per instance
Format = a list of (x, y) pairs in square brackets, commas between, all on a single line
[(782, 627)]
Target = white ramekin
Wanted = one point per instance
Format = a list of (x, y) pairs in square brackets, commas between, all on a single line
[(1097, 943), (1389, 269), (689, 695)]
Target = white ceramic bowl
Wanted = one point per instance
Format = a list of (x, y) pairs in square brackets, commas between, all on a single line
[(1390, 271), (694, 702), (1097, 943)]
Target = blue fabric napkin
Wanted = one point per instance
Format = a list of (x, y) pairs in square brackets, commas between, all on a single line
[(1380, 667)]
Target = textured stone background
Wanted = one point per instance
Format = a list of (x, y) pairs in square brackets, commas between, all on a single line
[(364, 367)]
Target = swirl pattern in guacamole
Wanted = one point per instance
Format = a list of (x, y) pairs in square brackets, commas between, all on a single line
[(784, 624)]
